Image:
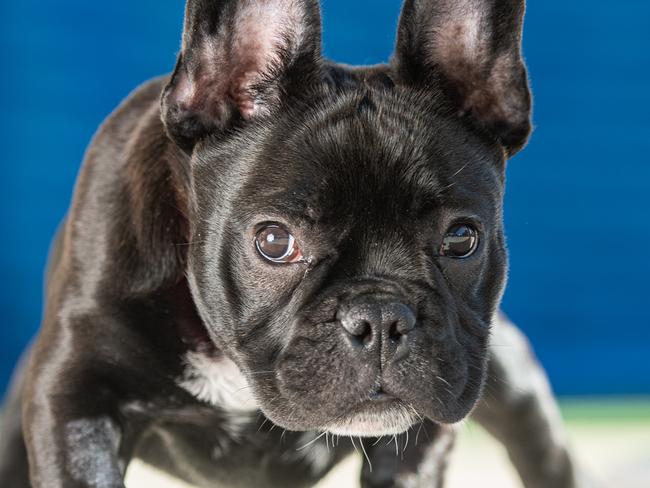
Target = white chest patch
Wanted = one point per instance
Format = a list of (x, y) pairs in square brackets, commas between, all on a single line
[(218, 382)]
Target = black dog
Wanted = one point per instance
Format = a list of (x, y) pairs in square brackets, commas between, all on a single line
[(286, 241)]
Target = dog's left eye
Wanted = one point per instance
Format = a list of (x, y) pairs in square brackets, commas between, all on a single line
[(277, 245), (460, 241)]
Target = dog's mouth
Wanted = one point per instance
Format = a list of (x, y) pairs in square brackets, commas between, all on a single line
[(381, 396), (381, 414), (372, 419)]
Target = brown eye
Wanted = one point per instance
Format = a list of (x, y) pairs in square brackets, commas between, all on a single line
[(277, 245), (460, 241)]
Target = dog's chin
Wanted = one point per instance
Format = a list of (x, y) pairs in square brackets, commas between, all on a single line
[(374, 421)]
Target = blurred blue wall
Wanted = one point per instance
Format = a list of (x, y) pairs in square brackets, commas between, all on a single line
[(577, 207)]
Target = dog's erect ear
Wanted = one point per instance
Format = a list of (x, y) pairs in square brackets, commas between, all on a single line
[(472, 47), (238, 58)]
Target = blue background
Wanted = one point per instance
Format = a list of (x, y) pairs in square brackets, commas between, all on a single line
[(577, 209)]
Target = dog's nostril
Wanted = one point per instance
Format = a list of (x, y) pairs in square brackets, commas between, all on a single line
[(395, 331), (400, 318), (359, 330), (357, 327)]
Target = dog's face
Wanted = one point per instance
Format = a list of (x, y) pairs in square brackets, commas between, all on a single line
[(348, 250)]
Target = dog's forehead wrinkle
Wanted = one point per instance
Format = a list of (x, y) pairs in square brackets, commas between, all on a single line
[(405, 142), (318, 145), (298, 215), (416, 198)]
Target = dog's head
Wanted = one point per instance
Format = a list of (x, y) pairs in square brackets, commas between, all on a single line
[(347, 241)]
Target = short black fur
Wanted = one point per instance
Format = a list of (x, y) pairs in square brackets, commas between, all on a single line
[(157, 292)]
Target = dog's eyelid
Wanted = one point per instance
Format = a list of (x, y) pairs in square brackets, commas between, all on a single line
[(472, 221), (291, 223), (460, 218)]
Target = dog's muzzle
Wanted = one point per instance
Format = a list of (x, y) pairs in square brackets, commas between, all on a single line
[(377, 328)]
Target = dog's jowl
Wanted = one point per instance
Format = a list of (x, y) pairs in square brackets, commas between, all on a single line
[(272, 259)]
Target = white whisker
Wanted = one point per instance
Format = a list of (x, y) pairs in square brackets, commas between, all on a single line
[(365, 454), (311, 441)]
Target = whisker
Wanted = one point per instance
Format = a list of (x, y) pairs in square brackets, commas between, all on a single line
[(406, 444), (461, 169), (443, 380), (365, 454), (202, 241), (263, 424), (417, 435), (353, 444), (312, 441)]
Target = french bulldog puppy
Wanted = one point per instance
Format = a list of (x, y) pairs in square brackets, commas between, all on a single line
[(272, 260)]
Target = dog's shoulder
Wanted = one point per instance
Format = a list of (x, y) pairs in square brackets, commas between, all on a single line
[(127, 209), (125, 124)]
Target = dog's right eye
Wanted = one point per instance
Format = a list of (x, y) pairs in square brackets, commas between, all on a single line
[(277, 245)]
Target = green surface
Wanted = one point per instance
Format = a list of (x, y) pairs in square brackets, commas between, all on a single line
[(606, 409)]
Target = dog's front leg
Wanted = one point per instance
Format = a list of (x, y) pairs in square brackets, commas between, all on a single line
[(518, 408), (70, 421), (69, 448), (416, 460)]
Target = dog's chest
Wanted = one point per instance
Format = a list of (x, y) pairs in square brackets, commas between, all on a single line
[(225, 441), (217, 382), (228, 450)]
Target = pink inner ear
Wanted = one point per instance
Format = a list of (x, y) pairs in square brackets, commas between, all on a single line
[(227, 68), (461, 41), (243, 99), (462, 46)]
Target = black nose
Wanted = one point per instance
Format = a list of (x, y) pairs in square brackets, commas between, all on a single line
[(370, 322)]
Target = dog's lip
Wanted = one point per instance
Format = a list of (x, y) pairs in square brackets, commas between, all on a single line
[(385, 414), (381, 396)]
